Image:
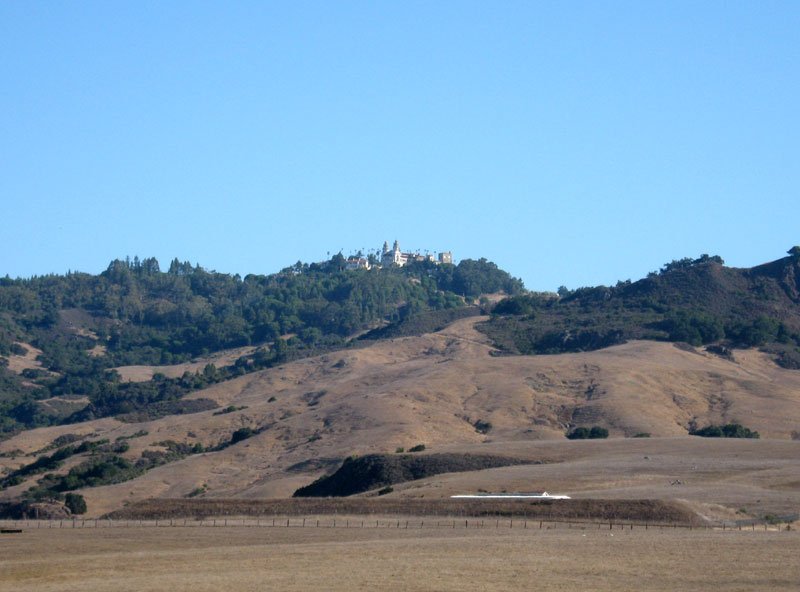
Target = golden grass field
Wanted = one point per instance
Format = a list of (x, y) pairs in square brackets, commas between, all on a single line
[(296, 559), (430, 389)]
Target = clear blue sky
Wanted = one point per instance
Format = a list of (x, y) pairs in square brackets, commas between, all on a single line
[(572, 143)]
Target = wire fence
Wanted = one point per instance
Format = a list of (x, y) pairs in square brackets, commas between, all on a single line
[(413, 523)]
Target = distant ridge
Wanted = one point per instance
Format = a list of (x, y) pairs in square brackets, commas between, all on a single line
[(695, 301)]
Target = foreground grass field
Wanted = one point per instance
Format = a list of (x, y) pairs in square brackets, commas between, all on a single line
[(289, 559)]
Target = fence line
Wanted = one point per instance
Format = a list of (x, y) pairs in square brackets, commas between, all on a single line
[(8, 526)]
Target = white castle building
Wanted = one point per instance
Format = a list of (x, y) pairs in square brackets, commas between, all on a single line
[(395, 256), (354, 263)]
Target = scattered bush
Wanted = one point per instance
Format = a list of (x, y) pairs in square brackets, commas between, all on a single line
[(17, 349), (582, 433), (482, 427), (138, 434), (197, 491), (242, 434), (100, 471), (230, 409), (731, 430)]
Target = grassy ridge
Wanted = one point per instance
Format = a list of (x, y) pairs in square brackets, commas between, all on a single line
[(698, 302)]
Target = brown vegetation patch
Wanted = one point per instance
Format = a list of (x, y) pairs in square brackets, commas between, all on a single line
[(584, 509)]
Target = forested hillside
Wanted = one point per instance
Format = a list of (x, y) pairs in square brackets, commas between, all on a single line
[(133, 313), (697, 301), (72, 330)]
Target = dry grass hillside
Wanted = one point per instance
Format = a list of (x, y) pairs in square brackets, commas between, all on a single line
[(223, 358), (433, 389), (27, 361)]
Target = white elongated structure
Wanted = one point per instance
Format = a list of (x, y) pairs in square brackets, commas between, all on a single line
[(542, 495)]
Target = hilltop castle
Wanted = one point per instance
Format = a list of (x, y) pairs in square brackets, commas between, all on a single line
[(395, 256)]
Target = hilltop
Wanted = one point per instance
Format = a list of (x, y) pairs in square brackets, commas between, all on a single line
[(61, 337), (266, 419), (698, 301)]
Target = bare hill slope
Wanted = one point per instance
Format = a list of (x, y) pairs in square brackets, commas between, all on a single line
[(446, 390)]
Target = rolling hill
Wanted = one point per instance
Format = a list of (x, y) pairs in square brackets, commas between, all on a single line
[(253, 422), (310, 414)]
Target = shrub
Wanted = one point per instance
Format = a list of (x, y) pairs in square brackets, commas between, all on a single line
[(582, 433), (138, 434), (731, 430), (75, 503), (230, 409), (482, 427), (578, 434), (241, 434), (417, 448), (197, 491), (399, 450), (642, 435), (386, 490)]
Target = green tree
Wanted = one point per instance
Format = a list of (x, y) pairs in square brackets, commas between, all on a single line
[(75, 503), (598, 432)]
